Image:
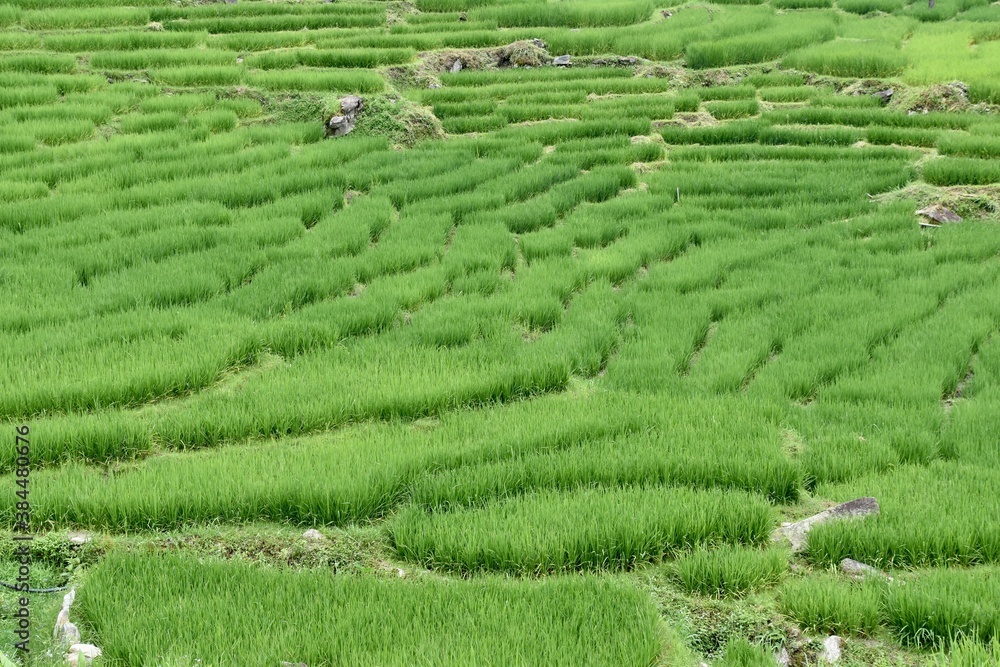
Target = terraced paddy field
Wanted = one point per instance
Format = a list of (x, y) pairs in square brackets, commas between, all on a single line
[(526, 369)]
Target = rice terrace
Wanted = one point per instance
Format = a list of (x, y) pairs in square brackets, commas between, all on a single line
[(499, 333)]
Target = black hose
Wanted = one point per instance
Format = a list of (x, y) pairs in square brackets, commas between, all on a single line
[(33, 590)]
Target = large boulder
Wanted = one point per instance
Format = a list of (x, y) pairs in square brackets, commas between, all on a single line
[(342, 123), (939, 214)]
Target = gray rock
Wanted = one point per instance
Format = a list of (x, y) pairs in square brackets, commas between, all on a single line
[(857, 568), (65, 631), (783, 659), (831, 649), (313, 534), (562, 61), (796, 533), (457, 66), (69, 634), (350, 108), (939, 213), (884, 95), (79, 537)]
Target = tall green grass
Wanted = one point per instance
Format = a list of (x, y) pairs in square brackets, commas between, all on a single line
[(848, 59), (725, 571), (213, 609), (589, 529)]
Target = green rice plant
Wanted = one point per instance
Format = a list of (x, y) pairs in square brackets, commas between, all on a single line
[(969, 653), (687, 101), (41, 63), (519, 75), (870, 6), (516, 113), (547, 531), (730, 571), (154, 122), (55, 133), (788, 93), (258, 41), (266, 9), (734, 109), (944, 606), (92, 17), (832, 136), (146, 58), (468, 124), (866, 116), (738, 652), (283, 22), (727, 93), (737, 132), (984, 91), (198, 76), (120, 41), (215, 121), (577, 15), (329, 58), (9, 15), (759, 46), (337, 618), (646, 459), (902, 136), (359, 81), (776, 79), (939, 12), (969, 146), (848, 59), (827, 603), (25, 96), (14, 41), (961, 171), (917, 529), (801, 4)]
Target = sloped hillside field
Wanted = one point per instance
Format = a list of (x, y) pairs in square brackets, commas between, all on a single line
[(499, 333)]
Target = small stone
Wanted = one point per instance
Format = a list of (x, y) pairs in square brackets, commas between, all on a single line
[(857, 568), (313, 534), (831, 649), (79, 537), (884, 95), (457, 66), (939, 213), (783, 659), (562, 61)]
